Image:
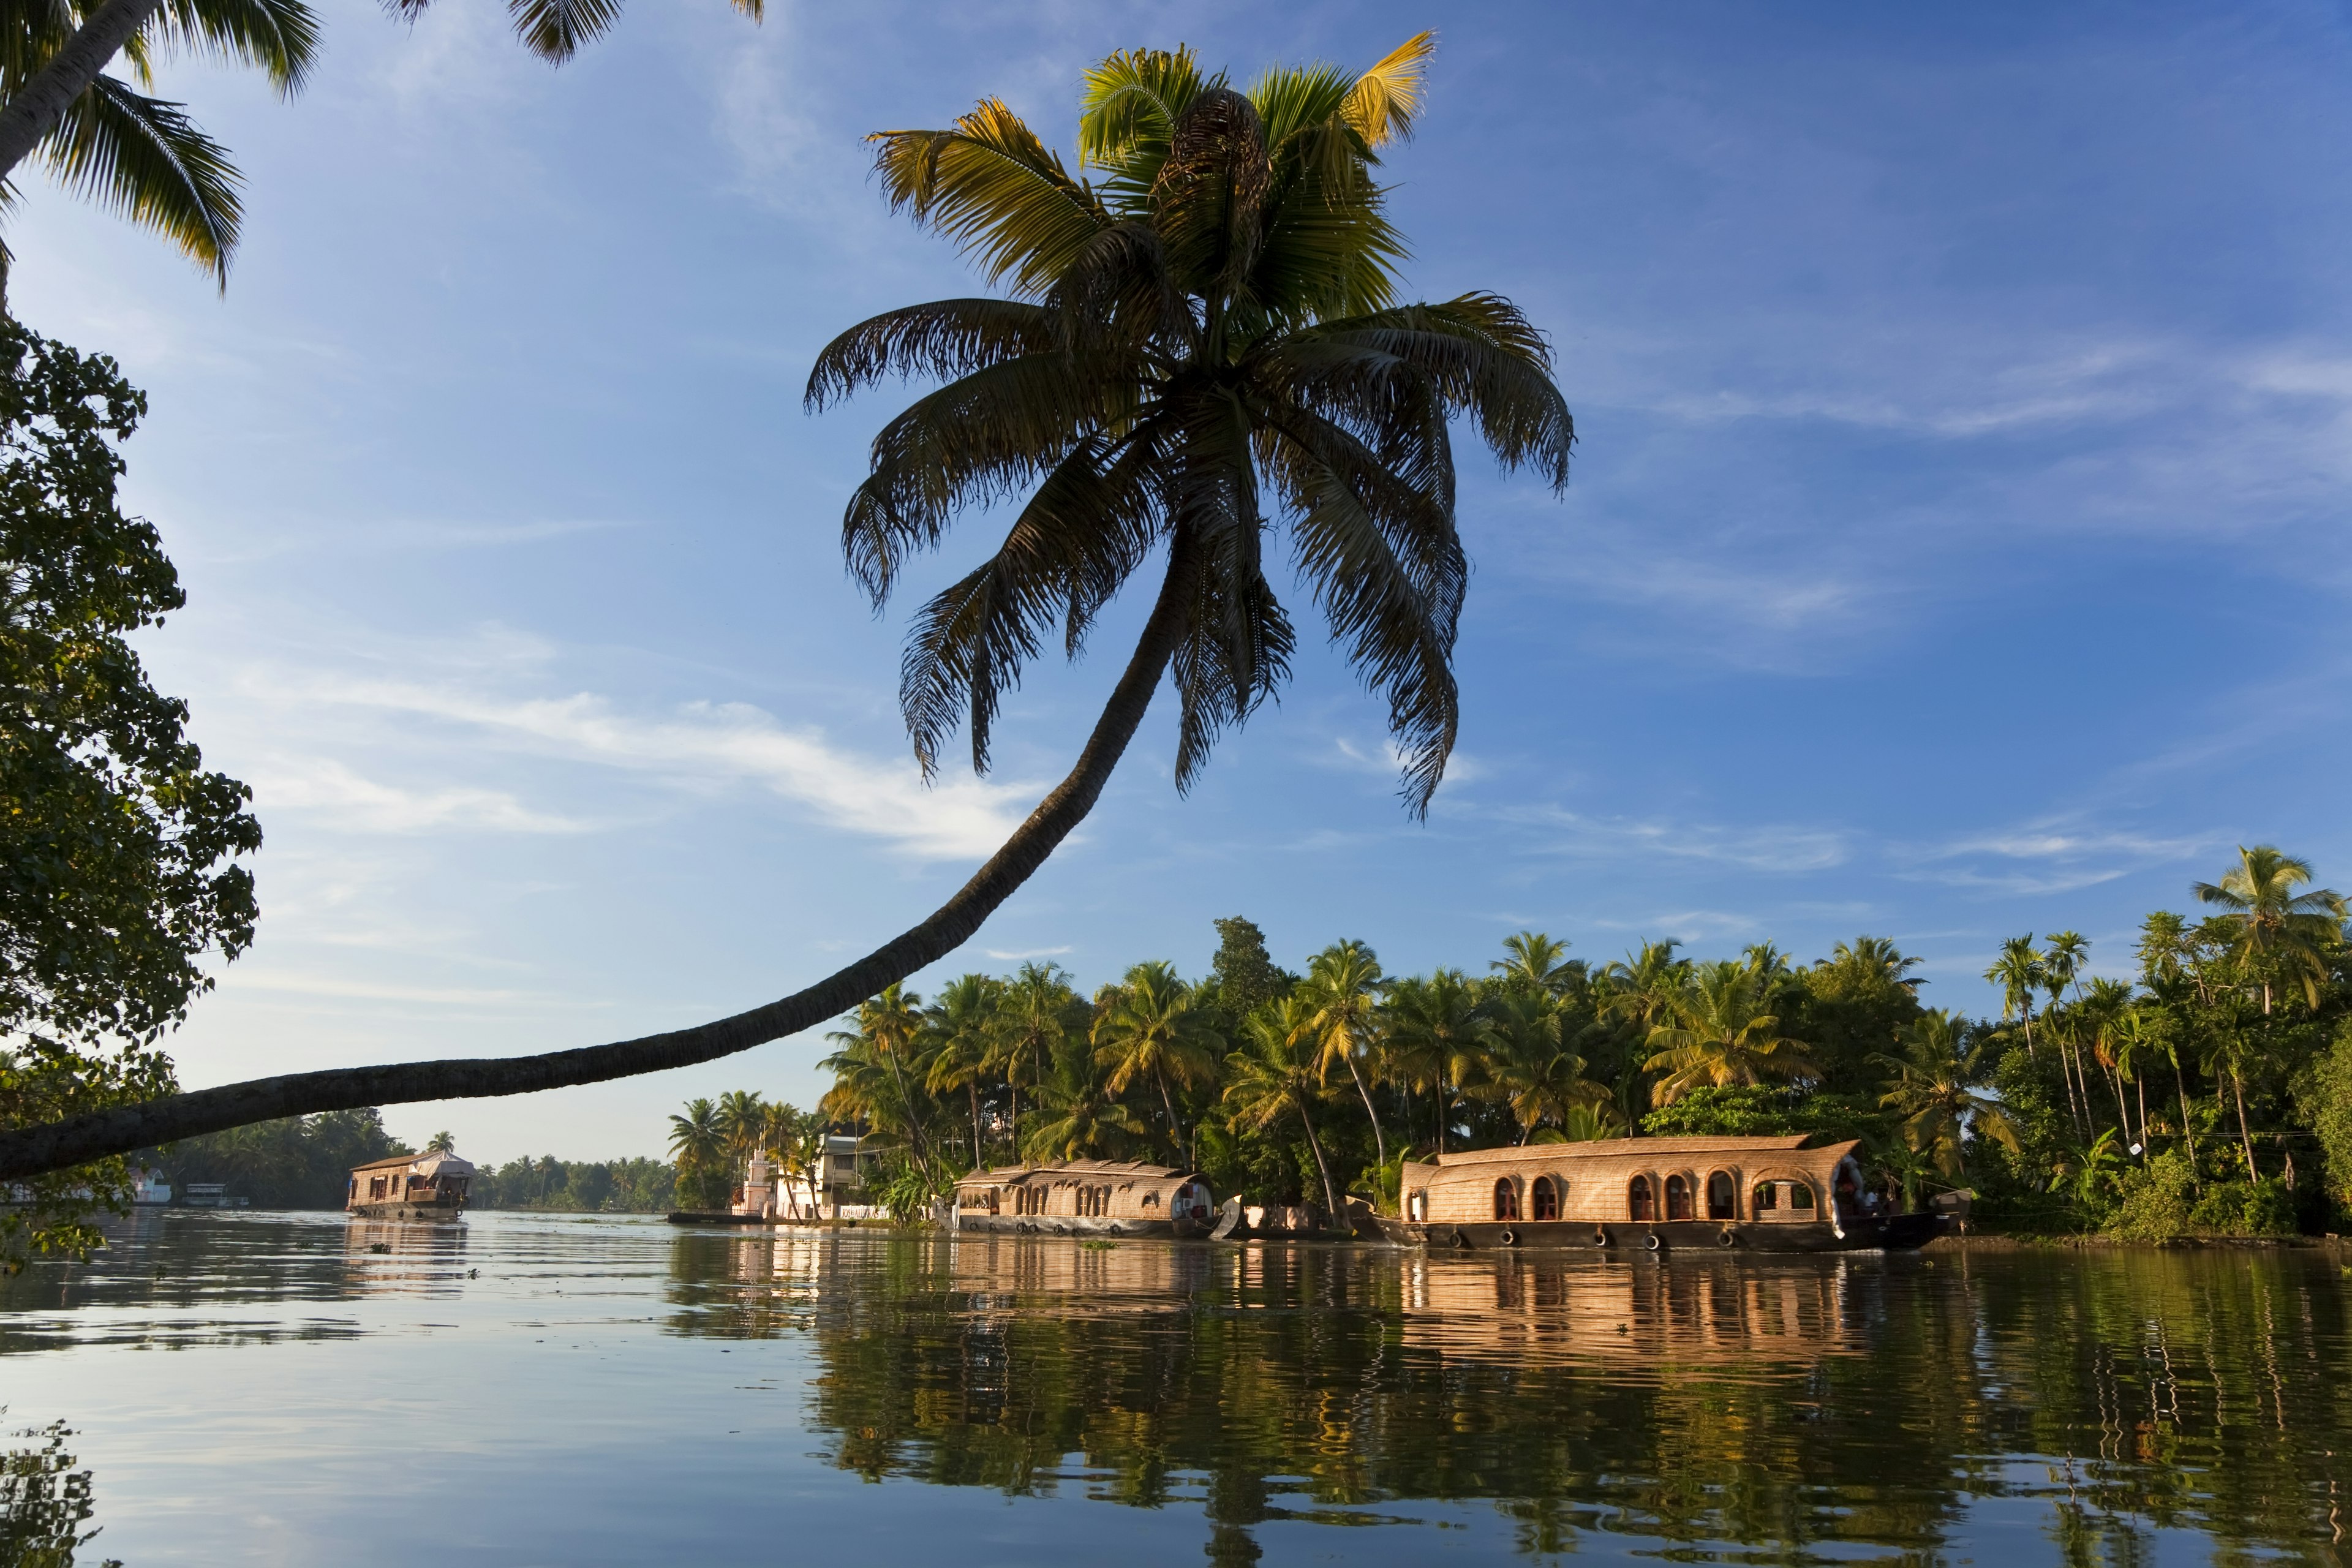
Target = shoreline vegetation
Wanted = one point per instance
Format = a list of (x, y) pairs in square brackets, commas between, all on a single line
[(2198, 1084), (2206, 1096)]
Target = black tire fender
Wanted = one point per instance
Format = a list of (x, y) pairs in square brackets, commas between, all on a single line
[(1652, 1242)]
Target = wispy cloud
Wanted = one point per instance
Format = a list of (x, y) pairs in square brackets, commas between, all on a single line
[(1757, 849), (1014, 955), (698, 746), (334, 792)]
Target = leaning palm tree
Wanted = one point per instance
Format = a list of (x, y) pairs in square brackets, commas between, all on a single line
[(1935, 1088), (1204, 339), (1342, 988), (2280, 929), (1155, 1030), (1723, 1033), (1276, 1075)]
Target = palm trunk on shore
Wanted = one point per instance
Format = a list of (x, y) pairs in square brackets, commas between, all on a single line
[(31, 1151)]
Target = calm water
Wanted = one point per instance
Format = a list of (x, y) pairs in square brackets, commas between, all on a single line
[(273, 1388)]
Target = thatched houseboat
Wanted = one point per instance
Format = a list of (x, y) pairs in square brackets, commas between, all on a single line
[(1085, 1197), (1771, 1194), (410, 1186)]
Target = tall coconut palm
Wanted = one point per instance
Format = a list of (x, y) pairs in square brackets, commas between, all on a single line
[(1537, 963), (1343, 986), (1277, 1075), (2106, 1002), (1078, 1116), (1203, 346), (1434, 1030), (1036, 1014), (2280, 929), (1935, 1088), (889, 1024), (699, 1146), (1155, 1031), (441, 1143), (2062, 965), (743, 1118), (1531, 1069), (2017, 972), (1642, 987), (960, 1029), (1723, 1033)]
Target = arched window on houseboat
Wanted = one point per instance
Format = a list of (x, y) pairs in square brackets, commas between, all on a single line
[(1545, 1200), (1722, 1196), (1801, 1195), (1640, 1201), (1765, 1200), (1506, 1199), (1678, 1198)]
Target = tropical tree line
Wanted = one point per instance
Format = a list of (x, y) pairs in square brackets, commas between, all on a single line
[(2201, 1083)]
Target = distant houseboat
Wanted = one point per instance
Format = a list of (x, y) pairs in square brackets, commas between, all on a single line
[(1085, 1197), (1770, 1195), (410, 1186)]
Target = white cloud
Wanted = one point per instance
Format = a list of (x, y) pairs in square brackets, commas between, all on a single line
[(696, 746), (330, 790), (1016, 955)]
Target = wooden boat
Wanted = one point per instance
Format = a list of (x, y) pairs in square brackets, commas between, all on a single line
[(1085, 1197), (1648, 1194), (410, 1186)]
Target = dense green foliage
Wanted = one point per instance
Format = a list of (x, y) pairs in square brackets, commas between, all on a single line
[(2214, 1095), (117, 849), (300, 1162), (577, 1186)]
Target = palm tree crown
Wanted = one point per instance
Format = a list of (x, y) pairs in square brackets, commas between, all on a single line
[(2278, 927), (1205, 332)]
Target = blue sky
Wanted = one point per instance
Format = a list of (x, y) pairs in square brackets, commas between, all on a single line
[(1956, 545)]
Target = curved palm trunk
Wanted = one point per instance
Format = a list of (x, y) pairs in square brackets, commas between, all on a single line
[(1175, 1133), (30, 1150), (2187, 1130), (1379, 1140), (34, 112), (914, 1122), (1315, 1146), (2238, 1087)]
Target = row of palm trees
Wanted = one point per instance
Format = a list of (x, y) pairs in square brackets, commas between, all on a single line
[(2203, 981), (1035, 1070)]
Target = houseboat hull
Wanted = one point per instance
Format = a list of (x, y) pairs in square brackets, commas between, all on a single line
[(431, 1213), (1890, 1233), (969, 1223)]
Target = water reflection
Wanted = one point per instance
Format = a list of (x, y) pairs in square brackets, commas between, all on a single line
[(1805, 1406), (44, 1501)]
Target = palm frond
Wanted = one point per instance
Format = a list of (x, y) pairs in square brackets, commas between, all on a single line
[(1481, 353), (984, 437), (1388, 97), (146, 159), (279, 38), (1390, 574), (995, 190), (1237, 642), (554, 29), (1089, 525), (945, 338), (1128, 113)]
